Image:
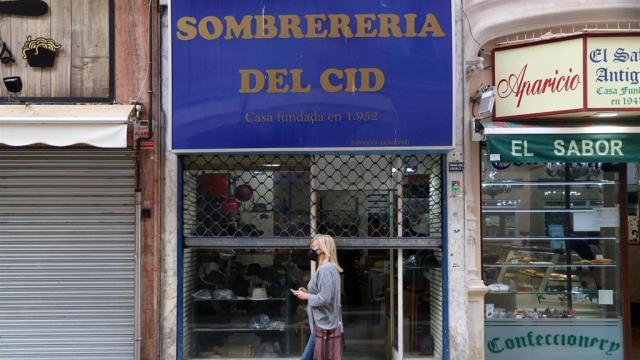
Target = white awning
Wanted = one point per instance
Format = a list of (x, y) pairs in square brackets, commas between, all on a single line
[(103, 126)]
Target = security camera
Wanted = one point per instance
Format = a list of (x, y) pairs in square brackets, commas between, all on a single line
[(13, 84), (14, 87), (474, 65)]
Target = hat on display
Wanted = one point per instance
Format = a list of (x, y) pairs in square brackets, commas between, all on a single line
[(244, 192), (259, 294), (230, 205), (207, 268), (259, 322), (215, 184), (223, 294), (254, 269), (266, 350), (210, 276)]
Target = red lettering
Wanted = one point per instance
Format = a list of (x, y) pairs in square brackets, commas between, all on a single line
[(517, 85)]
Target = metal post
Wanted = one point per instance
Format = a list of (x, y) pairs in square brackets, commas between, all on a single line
[(313, 198)]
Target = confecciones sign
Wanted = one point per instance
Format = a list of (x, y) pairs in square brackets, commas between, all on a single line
[(591, 72), (295, 75)]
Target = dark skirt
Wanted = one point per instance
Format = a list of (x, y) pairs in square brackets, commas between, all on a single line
[(328, 344)]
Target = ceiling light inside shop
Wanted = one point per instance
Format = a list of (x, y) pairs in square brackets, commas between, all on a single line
[(605, 114), (271, 165)]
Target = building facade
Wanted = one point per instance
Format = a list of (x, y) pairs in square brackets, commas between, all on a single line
[(556, 244), (235, 215), (242, 201), (80, 180)]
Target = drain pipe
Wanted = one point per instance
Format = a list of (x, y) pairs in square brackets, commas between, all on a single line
[(149, 73)]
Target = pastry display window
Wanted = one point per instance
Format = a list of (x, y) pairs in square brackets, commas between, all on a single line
[(551, 240)]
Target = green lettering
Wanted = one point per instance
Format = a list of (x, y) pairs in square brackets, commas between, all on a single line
[(521, 341), (509, 343), (571, 340), (602, 342), (529, 337), (583, 341), (614, 347), (494, 347)]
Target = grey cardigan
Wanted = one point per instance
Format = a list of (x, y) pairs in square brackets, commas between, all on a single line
[(323, 308)]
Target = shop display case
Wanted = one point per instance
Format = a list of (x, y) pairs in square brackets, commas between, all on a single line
[(551, 248), (238, 303)]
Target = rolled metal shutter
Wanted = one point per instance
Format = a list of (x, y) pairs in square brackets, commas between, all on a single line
[(67, 254)]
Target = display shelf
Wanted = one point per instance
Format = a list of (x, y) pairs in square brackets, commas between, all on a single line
[(239, 300), (547, 238), (533, 211), (512, 292), (236, 330), (548, 265), (593, 321), (548, 183)]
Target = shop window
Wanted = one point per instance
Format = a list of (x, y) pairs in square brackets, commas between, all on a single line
[(247, 222), (422, 296), (551, 251), (345, 196), (237, 303)]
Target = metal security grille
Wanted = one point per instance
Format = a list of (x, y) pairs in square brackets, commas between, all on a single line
[(67, 247), (368, 197)]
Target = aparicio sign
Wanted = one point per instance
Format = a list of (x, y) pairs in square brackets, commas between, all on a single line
[(305, 75), (587, 73)]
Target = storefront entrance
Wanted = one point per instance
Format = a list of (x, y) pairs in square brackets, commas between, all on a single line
[(558, 242), (246, 224)]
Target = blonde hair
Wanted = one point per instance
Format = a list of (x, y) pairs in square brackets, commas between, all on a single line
[(328, 246)]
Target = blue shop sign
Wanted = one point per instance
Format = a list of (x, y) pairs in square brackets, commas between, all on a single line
[(305, 75)]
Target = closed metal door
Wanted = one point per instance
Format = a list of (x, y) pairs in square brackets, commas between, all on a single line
[(67, 254)]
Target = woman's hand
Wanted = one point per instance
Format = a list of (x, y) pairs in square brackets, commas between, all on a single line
[(301, 294)]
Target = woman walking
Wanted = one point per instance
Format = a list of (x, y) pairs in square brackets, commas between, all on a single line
[(323, 296)]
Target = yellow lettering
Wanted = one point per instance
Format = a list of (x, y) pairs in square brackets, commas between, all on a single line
[(431, 25), (235, 30), (245, 81), (186, 28), (326, 83), (276, 81), (296, 82), (410, 20), (389, 22), (339, 23), (314, 24), (364, 23), (351, 80), (290, 24), (265, 27), (365, 81), (203, 28)]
